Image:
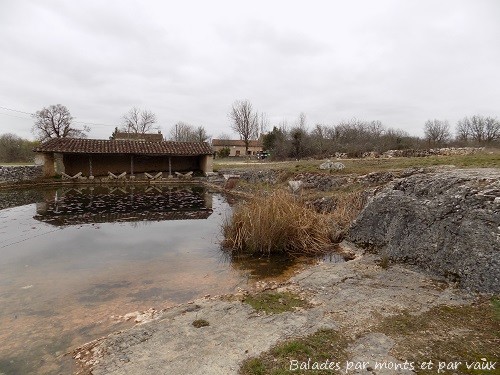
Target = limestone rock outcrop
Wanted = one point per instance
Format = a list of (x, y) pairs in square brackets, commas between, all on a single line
[(447, 223)]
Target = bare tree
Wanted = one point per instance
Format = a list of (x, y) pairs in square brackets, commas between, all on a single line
[(55, 122), (376, 128), (463, 131), (478, 129), (201, 134), (184, 132), (263, 124), (181, 132), (14, 149), (300, 137), (476, 126), (244, 121), (138, 121), (491, 129), (437, 131), (318, 137), (224, 136)]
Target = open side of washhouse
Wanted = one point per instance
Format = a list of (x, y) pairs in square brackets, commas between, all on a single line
[(99, 157)]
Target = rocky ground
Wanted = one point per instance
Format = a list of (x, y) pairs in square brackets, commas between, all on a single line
[(447, 223), (436, 225), (19, 173), (351, 297)]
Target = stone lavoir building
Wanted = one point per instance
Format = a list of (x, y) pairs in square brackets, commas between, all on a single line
[(98, 157)]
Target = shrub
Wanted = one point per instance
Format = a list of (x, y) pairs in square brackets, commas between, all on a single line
[(224, 152), (198, 323), (277, 223)]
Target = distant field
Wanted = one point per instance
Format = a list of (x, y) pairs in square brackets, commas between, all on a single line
[(14, 164), (490, 159)]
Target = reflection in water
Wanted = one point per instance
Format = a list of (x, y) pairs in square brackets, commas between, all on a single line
[(71, 206), (261, 267), (276, 266), (78, 257)]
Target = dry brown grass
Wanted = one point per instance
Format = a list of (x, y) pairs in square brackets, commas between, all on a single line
[(347, 207), (281, 223)]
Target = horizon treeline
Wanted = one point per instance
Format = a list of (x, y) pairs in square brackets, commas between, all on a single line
[(356, 137), (14, 149), (353, 138)]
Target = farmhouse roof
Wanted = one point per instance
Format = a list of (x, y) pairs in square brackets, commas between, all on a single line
[(104, 146), (235, 142)]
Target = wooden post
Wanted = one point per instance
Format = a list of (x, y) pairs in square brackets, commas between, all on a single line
[(131, 165), (169, 166), (90, 166)]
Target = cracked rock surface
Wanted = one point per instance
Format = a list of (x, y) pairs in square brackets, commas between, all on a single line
[(447, 223), (349, 296)]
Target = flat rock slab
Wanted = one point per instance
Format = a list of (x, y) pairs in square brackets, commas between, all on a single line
[(348, 296)]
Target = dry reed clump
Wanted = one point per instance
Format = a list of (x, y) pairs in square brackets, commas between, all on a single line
[(277, 223), (347, 208)]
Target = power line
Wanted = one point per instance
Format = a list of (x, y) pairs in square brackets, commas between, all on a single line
[(7, 114), (15, 110), (92, 123), (32, 114)]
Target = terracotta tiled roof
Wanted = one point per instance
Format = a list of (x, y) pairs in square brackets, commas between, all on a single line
[(235, 142), (156, 137), (85, 218), (103, 146)]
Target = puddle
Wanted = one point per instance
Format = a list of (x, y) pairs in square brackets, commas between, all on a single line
[(335, 258), (74, 257)]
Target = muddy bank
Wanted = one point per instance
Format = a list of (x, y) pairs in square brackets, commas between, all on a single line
[(351, 297)]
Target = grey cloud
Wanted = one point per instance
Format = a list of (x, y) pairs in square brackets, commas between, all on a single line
[(398, 62)]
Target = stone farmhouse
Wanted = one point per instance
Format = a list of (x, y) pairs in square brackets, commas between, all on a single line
[(237, 147)]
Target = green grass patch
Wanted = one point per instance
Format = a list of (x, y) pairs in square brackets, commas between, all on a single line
[(275, 302), (319, 347), (198, 323), (443, 334), (17, 164), (447, 333), (495, 304), (487, 159)]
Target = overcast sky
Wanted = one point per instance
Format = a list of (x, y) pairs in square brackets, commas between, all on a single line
[(401, 62)]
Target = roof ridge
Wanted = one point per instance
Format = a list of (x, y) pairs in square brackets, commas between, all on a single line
[(124, 146)]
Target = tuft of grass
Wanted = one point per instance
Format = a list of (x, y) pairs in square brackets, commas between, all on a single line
[(323, 345), (384, 262), (446, 333), (254, 366), (495, 304), (276, 223), (198, 323), (348, 205), (275, 302)]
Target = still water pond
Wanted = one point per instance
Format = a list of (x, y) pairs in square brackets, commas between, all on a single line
[(71, 259)]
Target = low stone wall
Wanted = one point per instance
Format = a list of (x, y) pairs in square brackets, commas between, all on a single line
[(447, 223), (447, 151), (20, 173), (269, 176)]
